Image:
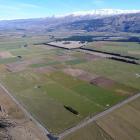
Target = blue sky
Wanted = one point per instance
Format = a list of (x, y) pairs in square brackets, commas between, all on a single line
[(17, 9)]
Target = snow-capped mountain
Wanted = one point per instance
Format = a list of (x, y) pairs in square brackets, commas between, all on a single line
[(104, 20), (100, 12), (128, 22)]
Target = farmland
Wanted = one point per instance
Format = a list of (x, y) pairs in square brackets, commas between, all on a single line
[(15, 122), (123, 48), (125, 74), (67, 44), (122, 124), (45, 79)]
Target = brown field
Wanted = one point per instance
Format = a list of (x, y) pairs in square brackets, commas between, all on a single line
[(2, 68), (73, 72), (113, 85), (5, 54), (103, 82), (80, 74)]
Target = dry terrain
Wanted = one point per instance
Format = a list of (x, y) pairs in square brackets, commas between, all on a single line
[(68, 44), (14, 124)]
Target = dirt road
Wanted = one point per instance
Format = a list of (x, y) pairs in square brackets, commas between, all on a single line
[(44, 130)]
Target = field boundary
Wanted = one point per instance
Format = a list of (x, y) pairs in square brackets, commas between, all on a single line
[(44, 130), (98, 116)]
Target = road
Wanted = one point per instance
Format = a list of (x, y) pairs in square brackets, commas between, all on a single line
[(82, 124), (98, 116), (44, 130)]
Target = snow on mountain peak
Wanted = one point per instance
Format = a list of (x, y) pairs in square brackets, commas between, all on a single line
[(101, 12)]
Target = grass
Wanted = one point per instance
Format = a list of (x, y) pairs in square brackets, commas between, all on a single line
[(98, 95), (124, 48), (44, 95), (57, 90), (75, 62), (9, 60), (114, 125), (121, 72), (89, 132), (48, 101), (116, 122), (44, 64), (91, 92)]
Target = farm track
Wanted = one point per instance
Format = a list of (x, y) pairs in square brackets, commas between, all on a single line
[(98, 116), (44, 130)]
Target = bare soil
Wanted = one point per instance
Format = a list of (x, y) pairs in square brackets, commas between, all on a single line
[(103, 82)]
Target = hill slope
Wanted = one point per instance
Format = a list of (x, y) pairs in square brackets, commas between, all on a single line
[(120, 23), (112, 23)]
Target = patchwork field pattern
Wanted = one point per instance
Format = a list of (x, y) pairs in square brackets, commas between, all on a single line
[(121, 124), (45, 79), (124, 48)]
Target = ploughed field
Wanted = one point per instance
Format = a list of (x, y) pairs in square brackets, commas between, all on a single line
[(61, 88)]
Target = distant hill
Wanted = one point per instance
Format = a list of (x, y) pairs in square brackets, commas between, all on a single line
[(97, 21), (117, 23)]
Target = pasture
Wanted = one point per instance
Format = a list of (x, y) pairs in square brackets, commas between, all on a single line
[(121, 124), (45, 96), (118, 71), (123, 48), (44, 79)]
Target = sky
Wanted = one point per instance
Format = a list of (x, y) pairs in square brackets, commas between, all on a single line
[(23, 9)]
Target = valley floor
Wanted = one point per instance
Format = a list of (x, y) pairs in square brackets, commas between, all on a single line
[(120, 124), (53, 83)]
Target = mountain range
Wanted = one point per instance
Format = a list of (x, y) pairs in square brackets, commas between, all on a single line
[(115, 23), (104, 20)]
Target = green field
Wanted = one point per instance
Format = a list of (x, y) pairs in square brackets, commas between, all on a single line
[(124, 48), (121, 124), (118, 71), (57, 90), (39, 83)]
